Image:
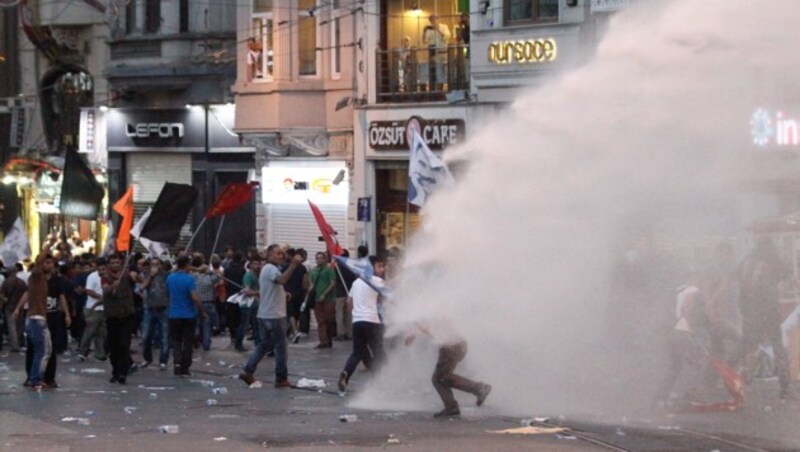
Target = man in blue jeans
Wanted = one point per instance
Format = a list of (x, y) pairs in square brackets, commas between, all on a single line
[(271, 316), (156, 319)]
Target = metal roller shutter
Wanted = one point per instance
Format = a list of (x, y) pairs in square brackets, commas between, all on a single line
[(294, 224), (148, 172)]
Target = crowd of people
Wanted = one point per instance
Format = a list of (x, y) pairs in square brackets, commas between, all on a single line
[(724, 321), (97, 305)]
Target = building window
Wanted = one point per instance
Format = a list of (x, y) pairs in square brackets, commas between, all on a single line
[(152, 16), (307, 37), (184, 16), (336, 40), (260, 62), (521, 11), (130, 17)]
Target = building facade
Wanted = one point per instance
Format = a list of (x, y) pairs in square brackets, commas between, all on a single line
[(170, 116), (298, 77)]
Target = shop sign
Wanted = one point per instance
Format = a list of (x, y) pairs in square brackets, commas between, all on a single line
[(776, 128), (18, 127), (364, 209), (527, 51), (86, 133), (141, 129), (437, 133), (296, 185)]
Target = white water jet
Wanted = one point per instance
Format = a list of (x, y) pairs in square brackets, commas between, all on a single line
[(646, 147)]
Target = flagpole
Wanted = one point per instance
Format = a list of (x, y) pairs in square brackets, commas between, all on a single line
[(341, 278), (199, 226), (219, 231), (405, 224)]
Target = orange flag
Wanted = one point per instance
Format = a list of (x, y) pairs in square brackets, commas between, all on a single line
[(124, 207)]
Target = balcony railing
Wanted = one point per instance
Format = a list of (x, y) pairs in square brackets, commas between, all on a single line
[(421, 74)]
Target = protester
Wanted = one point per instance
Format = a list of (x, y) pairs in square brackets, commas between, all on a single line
[(684, 345), (220, 294), (205, 283), (344, 317), (11, 292), (307, 303), (184, 307), (120, 314), (234, 274), (94, 314), (296, 291), (367, 325), (721, 305), (323, 280), (452, 350), (40, 361), (156, 318), (249, 305), (272, 317), (77, 279), (760, 274), (64, 278)]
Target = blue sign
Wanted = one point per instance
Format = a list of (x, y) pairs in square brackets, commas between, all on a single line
[(364, 208)]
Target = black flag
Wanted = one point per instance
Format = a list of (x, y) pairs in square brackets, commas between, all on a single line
[(81, 194), (169, 213)]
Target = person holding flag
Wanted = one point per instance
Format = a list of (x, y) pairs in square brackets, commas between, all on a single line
[(367, 325)]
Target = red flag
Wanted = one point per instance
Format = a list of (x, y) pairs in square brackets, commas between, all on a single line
[(328, 233), (734, 383), (233, 196), (124, 207)]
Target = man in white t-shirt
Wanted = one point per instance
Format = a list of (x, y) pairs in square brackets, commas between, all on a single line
[(367, 324), (94, 315)]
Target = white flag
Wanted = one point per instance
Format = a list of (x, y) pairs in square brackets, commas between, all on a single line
[(136, 230), (111, 240), (426, 171), (15, 247), (156, 249)]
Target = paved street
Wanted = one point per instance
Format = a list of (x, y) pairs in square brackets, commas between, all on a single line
[(88, 413)]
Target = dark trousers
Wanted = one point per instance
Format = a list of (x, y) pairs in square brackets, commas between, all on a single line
[(119, 330), (181, 331), (325, 313), (765, 326), (444, 379), (232, 319), (367, 346), (56, 323), (305, 320)]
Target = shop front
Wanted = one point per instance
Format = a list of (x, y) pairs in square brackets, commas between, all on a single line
[(193, 146), (286, 188), (391, 220), (295, 165)]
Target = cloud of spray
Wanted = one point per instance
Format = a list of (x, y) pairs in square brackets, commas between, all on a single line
[(645, 147)]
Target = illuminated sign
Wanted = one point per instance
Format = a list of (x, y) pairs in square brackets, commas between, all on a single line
[(291, 185), (162, 130), (774, 129), (529, 51)]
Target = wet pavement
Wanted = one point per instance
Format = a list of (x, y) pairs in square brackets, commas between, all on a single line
[(213, 410)]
